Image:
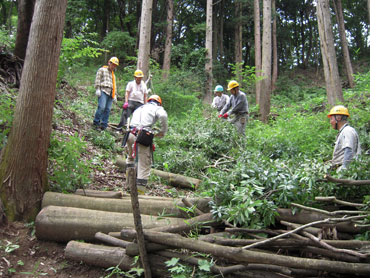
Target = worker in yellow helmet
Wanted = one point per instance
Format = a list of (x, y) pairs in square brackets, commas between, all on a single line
[(105, 90), (136, 94), (237, 106), (347, 145), (140, 138)]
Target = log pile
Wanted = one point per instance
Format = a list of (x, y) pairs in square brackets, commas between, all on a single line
[(310, 243)]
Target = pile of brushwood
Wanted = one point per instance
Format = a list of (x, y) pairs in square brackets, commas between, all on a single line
[(304, 242)]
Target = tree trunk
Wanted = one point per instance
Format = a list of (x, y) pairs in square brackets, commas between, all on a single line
[(274, 46), (168, 40), (246, 256), (65, 223), (99, 194), (23, 167), (25, 14), (176, 179), (208, 46), (106, 256), (256, 15), (330, 65), (238, 40), (343, 39), (266, 84), (122, 5), (154, 207), (145, 32)]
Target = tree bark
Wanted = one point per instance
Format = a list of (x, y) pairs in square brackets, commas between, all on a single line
[(238, 40), (145, 33), (343, 39), (266, 84), (209, 60), (274, 47), (99, 194), (168, 40), (330, 65), (258, 67), (65, 223), (148, 206), (106, 256), (23, 167), (25, 14), (246, 256)]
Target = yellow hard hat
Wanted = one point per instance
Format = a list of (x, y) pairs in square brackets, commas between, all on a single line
[(232, 84), (114, 60), (156, 98), (139, 73), (338, 110)]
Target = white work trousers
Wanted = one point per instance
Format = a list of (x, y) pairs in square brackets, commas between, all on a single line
[(143, 156)]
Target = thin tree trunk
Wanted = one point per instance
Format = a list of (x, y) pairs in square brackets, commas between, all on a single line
[(266, 63), (274, 46), (23, 167), (144, 42), (168, 40), (208, 65), (342, 34), (330, 65), (238, 40), (258, 67), (25, 14)]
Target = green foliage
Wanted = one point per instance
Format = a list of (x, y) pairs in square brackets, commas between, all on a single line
[(69, 170), (75, 50), (6, 40), (247, 76), (178, 270), (121, 45), (8, 246), (7, 103)]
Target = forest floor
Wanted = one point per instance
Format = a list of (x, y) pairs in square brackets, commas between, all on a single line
[(23, 255)]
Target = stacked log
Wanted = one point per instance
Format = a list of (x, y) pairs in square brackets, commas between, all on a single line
[(295, 253)]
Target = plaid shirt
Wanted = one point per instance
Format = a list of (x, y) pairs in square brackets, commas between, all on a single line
[(103, 80)]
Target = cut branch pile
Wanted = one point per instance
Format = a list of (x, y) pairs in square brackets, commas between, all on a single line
[(310, 243)]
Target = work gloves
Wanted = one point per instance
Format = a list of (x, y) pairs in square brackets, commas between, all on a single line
[(98, 93), (125, 105), (225, 115)]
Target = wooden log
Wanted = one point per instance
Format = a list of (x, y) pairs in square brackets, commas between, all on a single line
[(107, 256), (99, 194), (247, 256), (176, 180), (304, 217), (148, 206), (347, 182), (63, 224)]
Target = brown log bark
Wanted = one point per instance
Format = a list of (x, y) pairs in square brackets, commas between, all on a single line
[(347, 182), (148, 206), (248, 256), (63, 224), (304, 217), (176, 180), (106, 256), (99, 194)]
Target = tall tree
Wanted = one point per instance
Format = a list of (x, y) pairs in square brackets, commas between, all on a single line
[(274, 46), (342, 33), (208, 65), (23, 161), (168, 40), (330, 64), (256, 16), (25, 10), (238, 39), (144, 41), (266, 84)]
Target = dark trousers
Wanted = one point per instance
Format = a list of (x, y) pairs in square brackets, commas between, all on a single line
[(132, 106)]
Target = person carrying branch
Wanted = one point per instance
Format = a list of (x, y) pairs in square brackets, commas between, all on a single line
[(140, 139), (220, 98), (347, 145), (136, 94), (105, 86), (237, 106)]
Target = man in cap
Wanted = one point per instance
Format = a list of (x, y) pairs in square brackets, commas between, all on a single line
[(220, 98)]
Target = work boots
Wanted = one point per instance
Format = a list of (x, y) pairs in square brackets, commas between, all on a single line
[(141, 186)]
